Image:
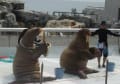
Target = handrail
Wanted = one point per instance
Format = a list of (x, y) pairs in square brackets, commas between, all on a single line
[(12, 29), (55, 29), (74, 29)]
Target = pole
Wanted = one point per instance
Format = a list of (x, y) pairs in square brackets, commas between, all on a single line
[(118, 45), (9, 38), (41, 75), (106, 72), (44, 38)]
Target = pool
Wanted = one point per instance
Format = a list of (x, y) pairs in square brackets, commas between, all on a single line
[(58, 44)]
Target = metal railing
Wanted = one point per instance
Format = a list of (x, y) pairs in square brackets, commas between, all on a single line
[(12, 38)]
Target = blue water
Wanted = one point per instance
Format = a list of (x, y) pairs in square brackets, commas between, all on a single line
[(7, 51), (54, 51)]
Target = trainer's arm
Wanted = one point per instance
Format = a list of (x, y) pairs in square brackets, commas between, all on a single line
[(111, 33), (94, 33)]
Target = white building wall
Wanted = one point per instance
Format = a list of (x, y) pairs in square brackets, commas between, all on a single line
[(16, 1), (96, 13), (111, 10)]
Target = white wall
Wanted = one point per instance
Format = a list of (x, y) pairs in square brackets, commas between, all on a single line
[(111, 9), (17, 1)]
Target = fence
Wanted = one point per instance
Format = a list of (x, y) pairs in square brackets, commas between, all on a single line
[(9, 36)]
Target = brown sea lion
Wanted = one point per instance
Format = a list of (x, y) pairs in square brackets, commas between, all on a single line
[(26, 67), (75, 57)]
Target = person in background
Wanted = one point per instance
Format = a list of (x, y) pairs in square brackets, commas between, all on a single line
[(102, 33)]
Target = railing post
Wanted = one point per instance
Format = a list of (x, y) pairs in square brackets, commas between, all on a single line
[(41, 73), (118, 45), (9, 38), (106, 73)]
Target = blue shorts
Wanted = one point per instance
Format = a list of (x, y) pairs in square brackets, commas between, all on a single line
[(104, 51)]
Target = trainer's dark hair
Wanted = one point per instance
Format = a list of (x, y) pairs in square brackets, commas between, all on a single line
[(103, 23), (21, 35)]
